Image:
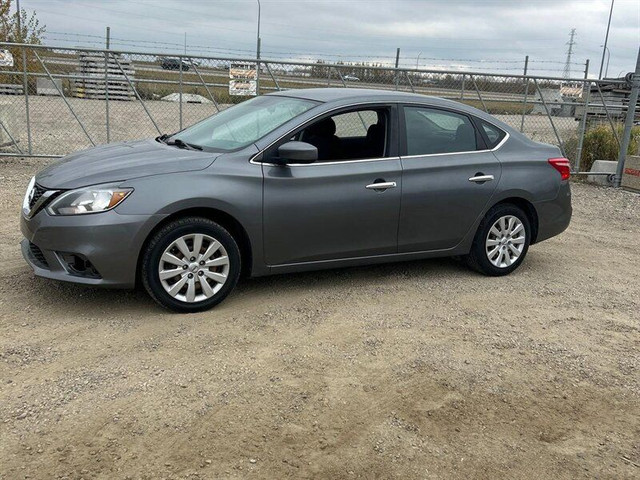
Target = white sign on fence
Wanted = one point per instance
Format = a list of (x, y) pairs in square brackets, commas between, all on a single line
[(6, 59), (242, 79)]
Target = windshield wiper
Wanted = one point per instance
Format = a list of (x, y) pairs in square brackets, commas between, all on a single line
[(162, 137), (179, 143)]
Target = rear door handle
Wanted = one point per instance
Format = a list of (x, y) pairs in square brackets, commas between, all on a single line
[(381, 185), (481, 178)]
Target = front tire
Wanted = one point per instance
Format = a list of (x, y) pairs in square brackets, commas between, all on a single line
[(501, 242), (191, 265)]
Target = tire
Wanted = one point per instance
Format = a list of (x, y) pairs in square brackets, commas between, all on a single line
[(512, 237), (190, 265)]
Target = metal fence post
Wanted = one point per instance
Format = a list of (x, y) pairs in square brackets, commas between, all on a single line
[(106, 85), (464, 77), (258, 67), (628, 123), (397, 62), (180, 60), (25, 85), (526, 93), (586, 89)]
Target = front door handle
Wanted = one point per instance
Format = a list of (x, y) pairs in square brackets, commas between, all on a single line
[(381, 185), (479, 178)]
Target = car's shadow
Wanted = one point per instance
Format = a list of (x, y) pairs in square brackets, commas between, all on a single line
[(81, 299)]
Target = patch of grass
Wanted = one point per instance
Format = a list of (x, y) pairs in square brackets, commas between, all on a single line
[(600, 144), (500, 108)]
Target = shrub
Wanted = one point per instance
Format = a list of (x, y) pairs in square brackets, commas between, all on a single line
[(600, 144)]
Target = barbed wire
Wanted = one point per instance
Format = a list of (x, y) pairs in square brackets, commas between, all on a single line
[(353, 60)]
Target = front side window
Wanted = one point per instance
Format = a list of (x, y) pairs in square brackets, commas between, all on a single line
[(243, 124), (432, 131), (357, 134)]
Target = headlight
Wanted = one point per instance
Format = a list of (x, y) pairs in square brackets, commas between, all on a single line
[(88, 200), (28, 196)]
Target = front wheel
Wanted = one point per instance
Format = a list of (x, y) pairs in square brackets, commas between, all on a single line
[(190, 265), (501, 242)]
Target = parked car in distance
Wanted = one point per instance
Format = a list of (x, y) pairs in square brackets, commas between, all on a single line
[(351, 78), (174, 64), (292, 181)]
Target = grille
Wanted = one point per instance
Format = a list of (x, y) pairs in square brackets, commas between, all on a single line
[(38, 191), (37, 255)]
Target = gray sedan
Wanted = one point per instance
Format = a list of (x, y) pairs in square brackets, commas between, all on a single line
[(293, 181)]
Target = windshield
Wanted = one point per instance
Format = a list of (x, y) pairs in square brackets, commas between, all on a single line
[(243, 124)]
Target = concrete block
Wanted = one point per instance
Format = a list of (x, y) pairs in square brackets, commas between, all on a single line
[(606, 166), (45, 86)]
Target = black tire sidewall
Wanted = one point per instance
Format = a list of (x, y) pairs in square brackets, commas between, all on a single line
[(163, 238), (478, 249)]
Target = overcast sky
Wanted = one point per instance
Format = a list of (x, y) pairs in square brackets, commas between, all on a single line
[(484, 35)]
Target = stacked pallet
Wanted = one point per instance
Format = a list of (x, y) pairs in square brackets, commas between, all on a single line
[(11, 89), (92, 68)]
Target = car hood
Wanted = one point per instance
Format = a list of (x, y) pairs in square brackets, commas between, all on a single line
[(121, 161)]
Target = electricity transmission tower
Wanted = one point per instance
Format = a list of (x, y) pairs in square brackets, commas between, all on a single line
[(567, 66)]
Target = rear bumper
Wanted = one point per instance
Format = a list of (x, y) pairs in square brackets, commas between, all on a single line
[(110, 241), (554, 216)]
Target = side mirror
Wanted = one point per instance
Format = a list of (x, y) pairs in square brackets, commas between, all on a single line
[(297, 152)]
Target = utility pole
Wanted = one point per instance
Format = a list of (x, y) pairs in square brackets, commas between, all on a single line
[(567, 65), (185, 43), (606, 39)]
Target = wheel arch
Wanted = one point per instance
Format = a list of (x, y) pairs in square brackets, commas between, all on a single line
[(528, 208), (224, 219)]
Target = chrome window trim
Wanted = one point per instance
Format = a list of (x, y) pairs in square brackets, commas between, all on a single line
[(506, 137), (339, 162)]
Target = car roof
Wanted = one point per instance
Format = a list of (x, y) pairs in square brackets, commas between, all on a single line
[(338, 94), (345, 96)]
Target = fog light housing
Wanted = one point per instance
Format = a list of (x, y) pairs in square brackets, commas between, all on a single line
[(78, 265)]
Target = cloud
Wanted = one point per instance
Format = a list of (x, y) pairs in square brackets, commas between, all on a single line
[(490, 34)]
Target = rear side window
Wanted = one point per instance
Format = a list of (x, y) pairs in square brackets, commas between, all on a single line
[(433, 131), (493, 134)]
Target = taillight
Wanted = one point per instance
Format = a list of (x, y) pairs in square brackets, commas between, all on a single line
[(562, 165)]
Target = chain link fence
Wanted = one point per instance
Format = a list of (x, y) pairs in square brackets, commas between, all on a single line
[(54, 101)]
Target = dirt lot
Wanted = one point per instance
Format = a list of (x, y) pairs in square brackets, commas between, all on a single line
[(415, 370)]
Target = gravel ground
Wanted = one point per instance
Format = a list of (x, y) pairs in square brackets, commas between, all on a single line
[(412, 370)]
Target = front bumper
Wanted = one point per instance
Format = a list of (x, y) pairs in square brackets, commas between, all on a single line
[(110, 241)]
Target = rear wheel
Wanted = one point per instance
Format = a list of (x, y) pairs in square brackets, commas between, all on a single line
[(190, 265), (501, 242)]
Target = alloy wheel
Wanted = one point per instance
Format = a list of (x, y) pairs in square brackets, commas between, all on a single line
[(193, 268), (505, 241)]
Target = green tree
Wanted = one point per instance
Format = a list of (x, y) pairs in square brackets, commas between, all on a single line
[(30, 31)]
